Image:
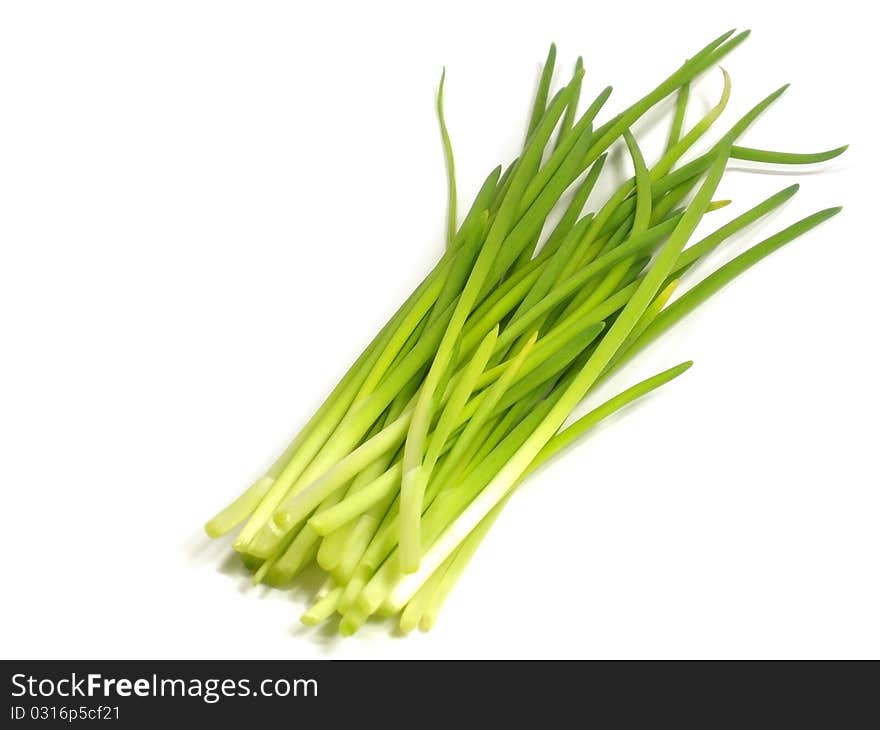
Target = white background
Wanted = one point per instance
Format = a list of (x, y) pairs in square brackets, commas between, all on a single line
[(207, 209)]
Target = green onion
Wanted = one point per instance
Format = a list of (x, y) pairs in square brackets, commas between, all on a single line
[(785, 158), (451, 213), (681, 102), (540, 105), (471, 386)]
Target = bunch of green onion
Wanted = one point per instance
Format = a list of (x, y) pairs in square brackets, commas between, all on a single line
[(398, 476)]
